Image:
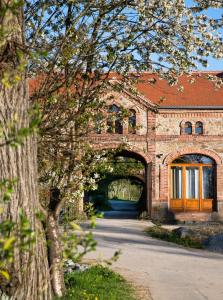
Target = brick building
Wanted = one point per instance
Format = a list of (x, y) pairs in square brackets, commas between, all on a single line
[(179, 137)]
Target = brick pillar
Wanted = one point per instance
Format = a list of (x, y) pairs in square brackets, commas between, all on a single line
[(151, 122), (163, 184), (125, 126), (149, 188), (104, 127), (220, 189)]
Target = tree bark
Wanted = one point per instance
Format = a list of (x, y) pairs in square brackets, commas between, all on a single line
[(55, 256), (30, 278), (54, 244)]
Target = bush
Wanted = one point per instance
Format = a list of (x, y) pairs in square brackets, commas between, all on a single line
[(170, 236)]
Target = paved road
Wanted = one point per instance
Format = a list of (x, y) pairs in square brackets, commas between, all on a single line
[(168, 271), (122, 209)]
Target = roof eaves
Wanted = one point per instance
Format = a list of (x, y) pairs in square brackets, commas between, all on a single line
[(138, 96)]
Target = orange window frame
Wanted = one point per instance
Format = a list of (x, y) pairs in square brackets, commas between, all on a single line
[(189, 204)]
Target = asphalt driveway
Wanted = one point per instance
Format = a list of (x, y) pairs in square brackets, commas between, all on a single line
[(162, 270)]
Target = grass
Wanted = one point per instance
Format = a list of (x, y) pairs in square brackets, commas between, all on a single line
[(98, 283), (170, 236)]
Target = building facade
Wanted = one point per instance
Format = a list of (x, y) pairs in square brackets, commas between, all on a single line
[(178, 134)]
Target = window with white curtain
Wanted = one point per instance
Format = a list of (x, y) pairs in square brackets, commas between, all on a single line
[(192, 183), (176, 182)]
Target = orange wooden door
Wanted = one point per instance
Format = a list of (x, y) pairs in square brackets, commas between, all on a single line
[(190, 190)]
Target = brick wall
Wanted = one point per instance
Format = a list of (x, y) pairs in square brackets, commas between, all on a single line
[(169, 144), (158, 139)]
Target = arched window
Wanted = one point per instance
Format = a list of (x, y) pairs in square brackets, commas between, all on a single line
[(114, 121), (192, 186), (132, 121), (199, 128), (113, 109), (187, 128)]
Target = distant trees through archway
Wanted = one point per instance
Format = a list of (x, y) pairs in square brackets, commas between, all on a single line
[(124, 180), (125, 189)]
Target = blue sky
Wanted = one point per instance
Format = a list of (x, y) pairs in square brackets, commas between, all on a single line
[(213, 63)]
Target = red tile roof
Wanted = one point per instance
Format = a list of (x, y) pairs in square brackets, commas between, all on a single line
[(198, 94), (201, 93)]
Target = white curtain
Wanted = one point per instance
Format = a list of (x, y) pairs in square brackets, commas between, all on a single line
[(192, 183), (176, 183)]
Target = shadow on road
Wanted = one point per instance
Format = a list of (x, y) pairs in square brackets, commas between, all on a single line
[(122, 210)]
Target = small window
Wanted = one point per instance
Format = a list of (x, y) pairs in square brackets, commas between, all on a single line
[(113, 109), (199, 128), (132, 121), (187, 128), (114, 120), (118, 125)]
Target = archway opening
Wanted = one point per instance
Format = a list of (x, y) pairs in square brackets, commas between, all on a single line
[(123, 188), (192, 183)]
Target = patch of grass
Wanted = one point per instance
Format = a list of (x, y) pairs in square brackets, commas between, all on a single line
[(98, 283), (170, 236)]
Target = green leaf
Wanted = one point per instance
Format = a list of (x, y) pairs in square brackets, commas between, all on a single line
[(8, 243), (5, 274)]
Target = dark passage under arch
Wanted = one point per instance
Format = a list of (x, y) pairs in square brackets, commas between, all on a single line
[(124, 189)]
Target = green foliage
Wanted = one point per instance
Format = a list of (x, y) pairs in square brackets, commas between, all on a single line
[(92, 214), (125, 189), (122, 166), (170, 236), (6, 188), (98, 283), (13, 235), (77, 242), (124, 36)]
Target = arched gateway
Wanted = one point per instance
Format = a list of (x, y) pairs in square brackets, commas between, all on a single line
[(144, 176), (179, 140)]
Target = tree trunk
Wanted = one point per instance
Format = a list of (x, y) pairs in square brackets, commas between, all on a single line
[(55, 255), (30, 278), (54, 243), (30, 272)]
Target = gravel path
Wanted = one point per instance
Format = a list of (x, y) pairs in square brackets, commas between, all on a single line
[(161, 270)]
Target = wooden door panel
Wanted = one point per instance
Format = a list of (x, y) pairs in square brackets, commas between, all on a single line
[(176, 204), (192, 204), (207, 204)]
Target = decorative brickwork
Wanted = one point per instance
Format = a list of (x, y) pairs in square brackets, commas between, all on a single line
[(170, 157)]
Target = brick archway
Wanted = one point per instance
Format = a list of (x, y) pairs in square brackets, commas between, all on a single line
[(173, 155), (131, 149), (145, 158)]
